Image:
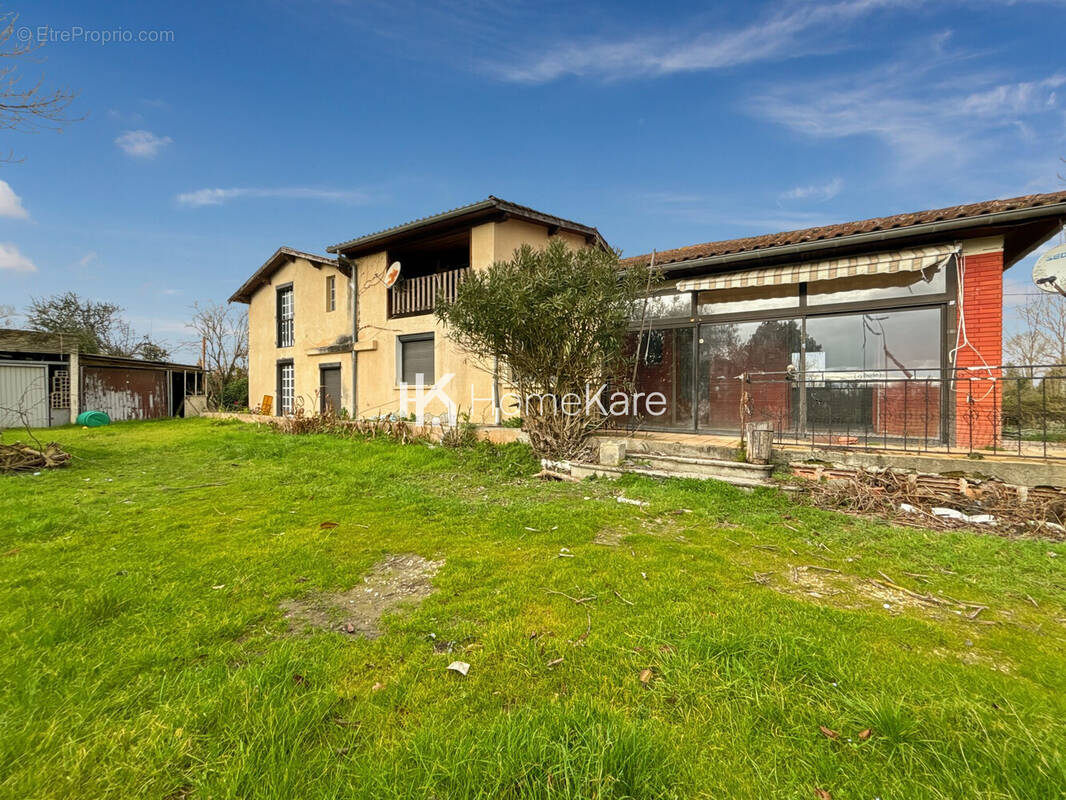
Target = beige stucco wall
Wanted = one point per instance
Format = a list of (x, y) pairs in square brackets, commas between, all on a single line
[(314, 327), (471, 386), (513, 233), (376, 350), (379, 391)]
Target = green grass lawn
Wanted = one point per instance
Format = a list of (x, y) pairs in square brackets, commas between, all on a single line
[(145, 653)]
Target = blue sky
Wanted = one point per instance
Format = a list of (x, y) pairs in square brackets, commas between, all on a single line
[(262, 124)]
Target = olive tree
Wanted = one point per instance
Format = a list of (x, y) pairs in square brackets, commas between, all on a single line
[(555, 320)]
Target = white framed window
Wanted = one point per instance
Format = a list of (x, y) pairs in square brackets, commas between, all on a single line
[(331, 293), (286, 324), (286, 387), (414, 359)]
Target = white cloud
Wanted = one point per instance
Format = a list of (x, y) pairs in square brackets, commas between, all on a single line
[(89, 258), (217, 197), (12, 259), (10, 203), (796, 30), (927, 111), (142, 144), (820, 192)]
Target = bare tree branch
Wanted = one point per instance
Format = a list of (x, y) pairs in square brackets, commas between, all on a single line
[(223, 333), (27, 107)]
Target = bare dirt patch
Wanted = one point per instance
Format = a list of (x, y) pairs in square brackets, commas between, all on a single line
[(852, 591), (394, 581), (609, 537)]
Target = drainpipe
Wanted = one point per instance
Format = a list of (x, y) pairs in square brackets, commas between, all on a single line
[(353, 285)]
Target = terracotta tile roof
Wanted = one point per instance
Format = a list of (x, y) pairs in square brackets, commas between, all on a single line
[(829, 232)]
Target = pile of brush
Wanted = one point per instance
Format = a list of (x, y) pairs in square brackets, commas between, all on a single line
[(19, 457), (943, 503)]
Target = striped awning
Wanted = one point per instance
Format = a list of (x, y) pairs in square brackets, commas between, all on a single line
[(911, 260)]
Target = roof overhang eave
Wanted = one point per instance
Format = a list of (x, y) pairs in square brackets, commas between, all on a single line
[(400, 230), (870, 237), (390, 234)]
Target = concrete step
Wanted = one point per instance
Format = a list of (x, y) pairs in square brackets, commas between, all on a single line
[(579, 470), (706, 467), (641, 447)]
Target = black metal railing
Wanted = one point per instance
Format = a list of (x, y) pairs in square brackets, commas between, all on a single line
[(978, 411)]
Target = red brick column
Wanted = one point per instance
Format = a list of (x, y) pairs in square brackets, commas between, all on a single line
[(978, 399)]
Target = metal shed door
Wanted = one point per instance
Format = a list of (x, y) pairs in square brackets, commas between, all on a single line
[(330, 391), (125, 393), (23, 388)]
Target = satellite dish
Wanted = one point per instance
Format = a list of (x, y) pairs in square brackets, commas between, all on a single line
[(1049, 271), (392, 274)]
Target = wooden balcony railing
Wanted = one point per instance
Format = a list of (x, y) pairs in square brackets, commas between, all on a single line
[(419, 295)]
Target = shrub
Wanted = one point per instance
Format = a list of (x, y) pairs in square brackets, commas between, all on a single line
[(556, 319)]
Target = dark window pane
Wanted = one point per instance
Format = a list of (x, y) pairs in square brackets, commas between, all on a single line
[(761, 351), (666, 369), (651, 348)]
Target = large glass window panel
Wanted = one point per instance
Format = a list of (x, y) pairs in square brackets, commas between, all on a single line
[(874, 373), (901, 343), (742, 301), (760, 351), (665, 365), (864, 288)]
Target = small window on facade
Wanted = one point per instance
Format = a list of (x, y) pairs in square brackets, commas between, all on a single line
[(331, 292), (286, 388), (416, 359), (286, 330)]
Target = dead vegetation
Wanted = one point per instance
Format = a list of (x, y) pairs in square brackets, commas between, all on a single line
[(394, 581), (944, 503), (19, 457), (854, 591), (301, 422), (454, 433)]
